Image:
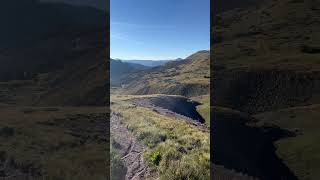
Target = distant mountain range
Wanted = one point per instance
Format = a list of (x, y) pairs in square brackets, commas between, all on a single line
[(149, 63)]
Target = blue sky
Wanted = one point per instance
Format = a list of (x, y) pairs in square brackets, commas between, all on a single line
[(158, 29)]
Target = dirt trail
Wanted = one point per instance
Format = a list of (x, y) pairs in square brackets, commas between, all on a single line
[(130, 149)]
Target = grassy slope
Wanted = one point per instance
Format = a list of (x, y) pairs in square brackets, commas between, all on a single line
[(81, 83), (52, 149), (279, 36), (60, 76), (271, 36), (183, 149), (300, 153), (189, 77), (204, 108), (64, 67)]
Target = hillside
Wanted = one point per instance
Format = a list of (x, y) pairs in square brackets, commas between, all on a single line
[(266, 65), (164, 134), (53, 91), (266, 47), (120, 69), (62, 67), (40, 20), (188, 77)]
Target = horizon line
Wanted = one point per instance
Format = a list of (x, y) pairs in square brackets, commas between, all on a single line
[(157, 59)]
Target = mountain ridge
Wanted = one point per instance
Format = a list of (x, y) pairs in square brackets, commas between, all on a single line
[(174, 77)]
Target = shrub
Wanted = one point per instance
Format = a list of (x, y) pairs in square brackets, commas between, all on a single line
[(155, 158)]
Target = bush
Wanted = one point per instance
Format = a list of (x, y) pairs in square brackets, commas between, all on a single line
[(155, 158)]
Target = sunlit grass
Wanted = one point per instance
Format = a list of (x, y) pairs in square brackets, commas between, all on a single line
[(174, 148), (204, 108)]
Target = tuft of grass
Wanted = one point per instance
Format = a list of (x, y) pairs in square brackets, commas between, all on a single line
[(155, 158)]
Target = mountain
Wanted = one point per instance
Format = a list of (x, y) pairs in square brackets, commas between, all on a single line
[(120, 69), (188, 77), (150, 63)]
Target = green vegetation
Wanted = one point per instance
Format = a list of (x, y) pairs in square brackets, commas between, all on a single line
[(204, 108), (300, 153), (156, 158), (174, 148), (118, 169), (189, 77)]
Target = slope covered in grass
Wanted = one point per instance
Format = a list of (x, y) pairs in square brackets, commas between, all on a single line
[(119, 69), (53, 142), (204, 108), (266, 63), (188, 77), (174, 148), (267, 51)]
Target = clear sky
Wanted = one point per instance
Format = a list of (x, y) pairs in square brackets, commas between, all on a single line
[(158, 29)]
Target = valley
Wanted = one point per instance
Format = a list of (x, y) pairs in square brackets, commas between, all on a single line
[(170, 132)]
